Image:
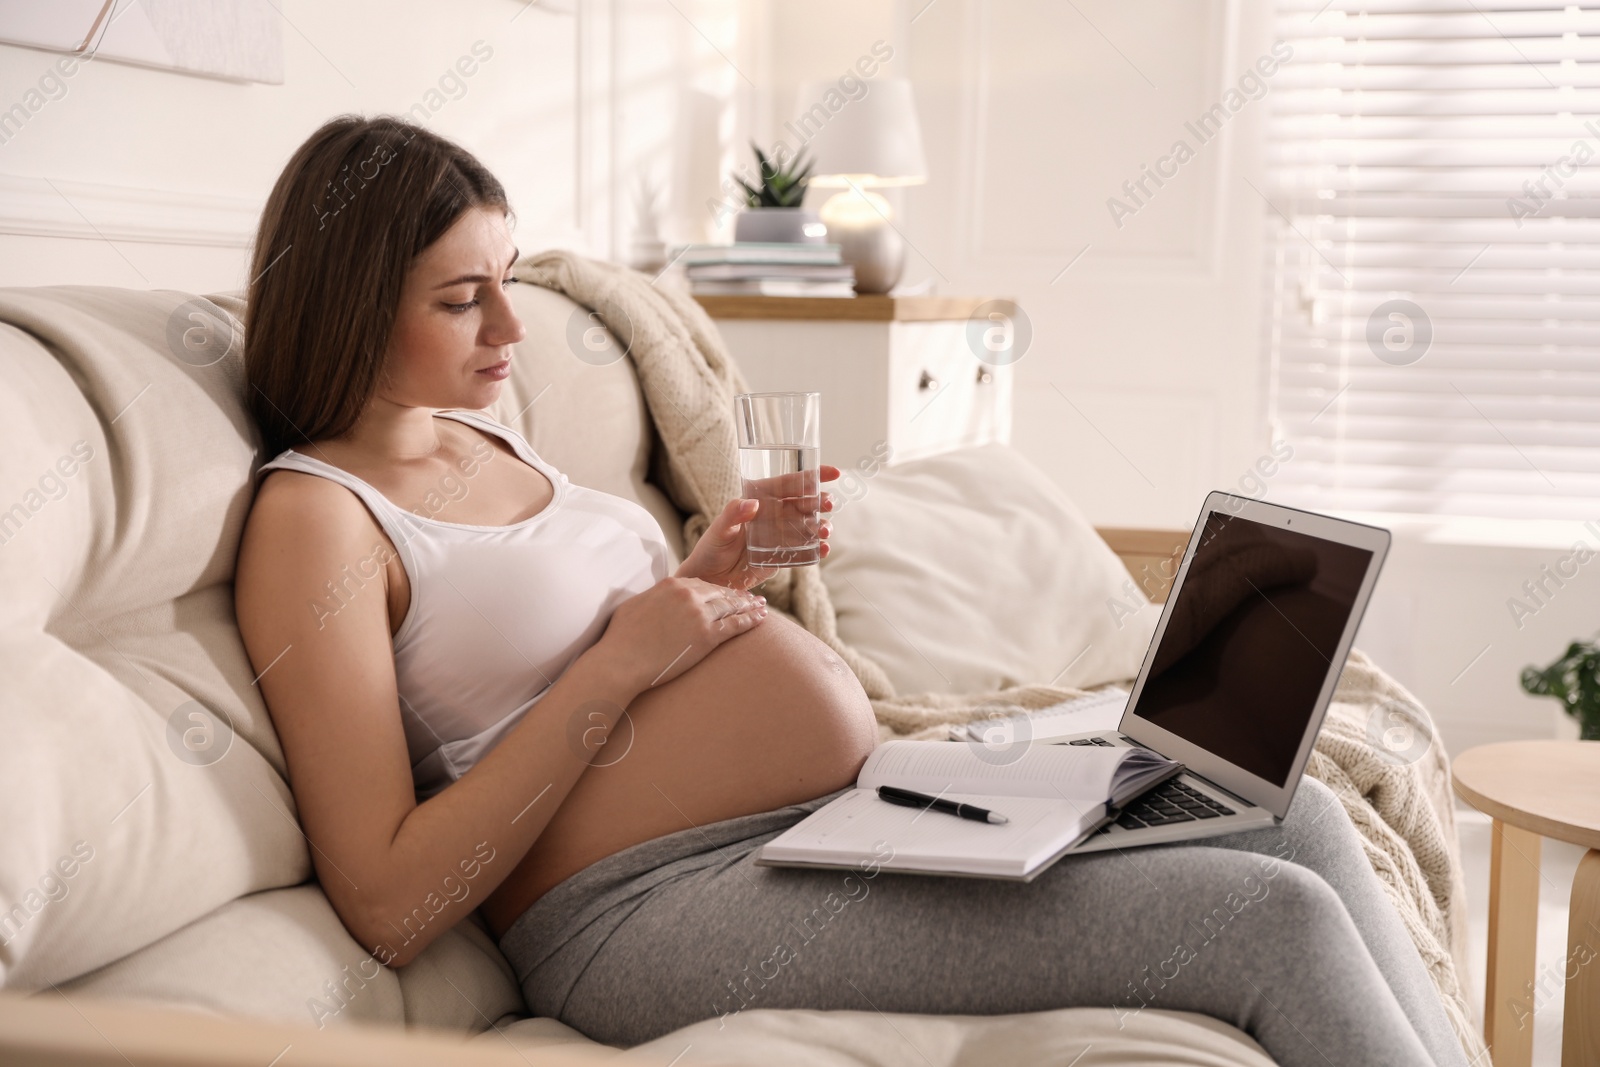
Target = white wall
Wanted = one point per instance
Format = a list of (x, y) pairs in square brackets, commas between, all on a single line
[(152, 179), (1139, 392), (1441, 620)]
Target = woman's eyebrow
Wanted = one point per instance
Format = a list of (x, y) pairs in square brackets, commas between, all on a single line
[(515, 255)]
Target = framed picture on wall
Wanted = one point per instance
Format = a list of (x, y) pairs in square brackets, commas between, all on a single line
[(238, 40)]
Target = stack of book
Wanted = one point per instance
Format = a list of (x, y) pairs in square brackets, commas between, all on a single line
[(750, 268)]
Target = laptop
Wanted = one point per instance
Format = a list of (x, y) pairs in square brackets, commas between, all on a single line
[(1242, 668)]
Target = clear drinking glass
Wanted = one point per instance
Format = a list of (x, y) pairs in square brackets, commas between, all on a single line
[(780, 457)]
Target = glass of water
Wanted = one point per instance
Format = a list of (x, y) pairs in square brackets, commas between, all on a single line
[(780, 457)]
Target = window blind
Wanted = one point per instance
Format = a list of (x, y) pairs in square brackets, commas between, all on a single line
[(1432, 311)]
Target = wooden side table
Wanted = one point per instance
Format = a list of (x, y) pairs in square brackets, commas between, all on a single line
[(1532, 790), (901, 371)]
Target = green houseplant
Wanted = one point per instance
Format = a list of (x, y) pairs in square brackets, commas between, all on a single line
[(772, 206), (780, 186), (1574, 679)]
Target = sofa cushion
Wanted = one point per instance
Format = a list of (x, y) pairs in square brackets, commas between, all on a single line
[(280, 954), (971, 571), (1080, 1037), (137, 742), (284, 955)]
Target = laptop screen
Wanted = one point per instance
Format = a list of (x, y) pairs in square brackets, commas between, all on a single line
[(1251, 636)]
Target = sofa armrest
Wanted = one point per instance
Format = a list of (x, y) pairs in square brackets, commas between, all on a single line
[(49, 1030), (1151, 555)]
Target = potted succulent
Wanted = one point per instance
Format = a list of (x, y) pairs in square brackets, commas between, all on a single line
[(1574, 679), (772, 209)]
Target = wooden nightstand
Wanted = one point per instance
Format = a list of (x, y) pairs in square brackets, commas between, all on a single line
[(901, 370)]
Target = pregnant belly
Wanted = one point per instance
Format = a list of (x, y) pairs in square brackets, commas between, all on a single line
[(769, 718)]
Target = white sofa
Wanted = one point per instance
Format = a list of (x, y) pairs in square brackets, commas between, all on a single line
[(138, 865)]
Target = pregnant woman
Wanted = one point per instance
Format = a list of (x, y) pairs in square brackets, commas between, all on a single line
[(492, 695)]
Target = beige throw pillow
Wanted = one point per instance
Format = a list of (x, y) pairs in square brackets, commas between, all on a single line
[(972, 571)]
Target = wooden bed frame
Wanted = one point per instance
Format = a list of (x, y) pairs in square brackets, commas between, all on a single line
[(57, 1030)]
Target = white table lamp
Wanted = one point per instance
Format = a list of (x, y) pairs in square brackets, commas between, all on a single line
[(861, 145)]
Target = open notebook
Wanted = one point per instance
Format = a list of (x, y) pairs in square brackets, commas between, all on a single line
[(1053, 795)]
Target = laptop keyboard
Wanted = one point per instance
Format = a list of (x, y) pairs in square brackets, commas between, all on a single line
[(1170, 802)]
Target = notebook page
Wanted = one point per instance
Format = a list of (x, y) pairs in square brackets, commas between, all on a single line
[(1080, 774), (861, 827), (1100, 711)]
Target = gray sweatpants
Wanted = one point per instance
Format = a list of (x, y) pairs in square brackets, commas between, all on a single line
[(1283, 932)]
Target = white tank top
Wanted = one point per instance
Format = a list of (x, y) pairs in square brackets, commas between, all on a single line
[(497, 613)]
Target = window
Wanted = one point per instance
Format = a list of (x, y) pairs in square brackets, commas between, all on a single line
[(1432, 308)]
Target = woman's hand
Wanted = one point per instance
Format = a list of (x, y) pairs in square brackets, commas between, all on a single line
[(720, 556), (663, 631)]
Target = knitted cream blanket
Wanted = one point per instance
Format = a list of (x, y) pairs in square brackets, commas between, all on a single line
[(1401, 808)]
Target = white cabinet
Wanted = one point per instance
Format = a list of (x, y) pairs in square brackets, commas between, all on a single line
[(899, 370)]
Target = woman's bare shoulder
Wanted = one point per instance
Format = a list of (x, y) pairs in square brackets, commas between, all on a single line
[(300, 518), (302, 494)]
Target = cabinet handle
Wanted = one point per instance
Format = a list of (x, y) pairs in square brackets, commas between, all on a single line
[(985, 376), (927, 381)]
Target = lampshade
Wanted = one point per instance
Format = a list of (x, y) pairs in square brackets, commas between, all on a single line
[(873, 140)]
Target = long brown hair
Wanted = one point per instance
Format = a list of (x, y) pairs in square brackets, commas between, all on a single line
[(354, 206)]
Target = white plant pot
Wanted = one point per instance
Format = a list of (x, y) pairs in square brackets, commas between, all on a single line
[(786, 225)]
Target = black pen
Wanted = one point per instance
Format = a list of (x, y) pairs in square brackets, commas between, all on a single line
[(908, 799)]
